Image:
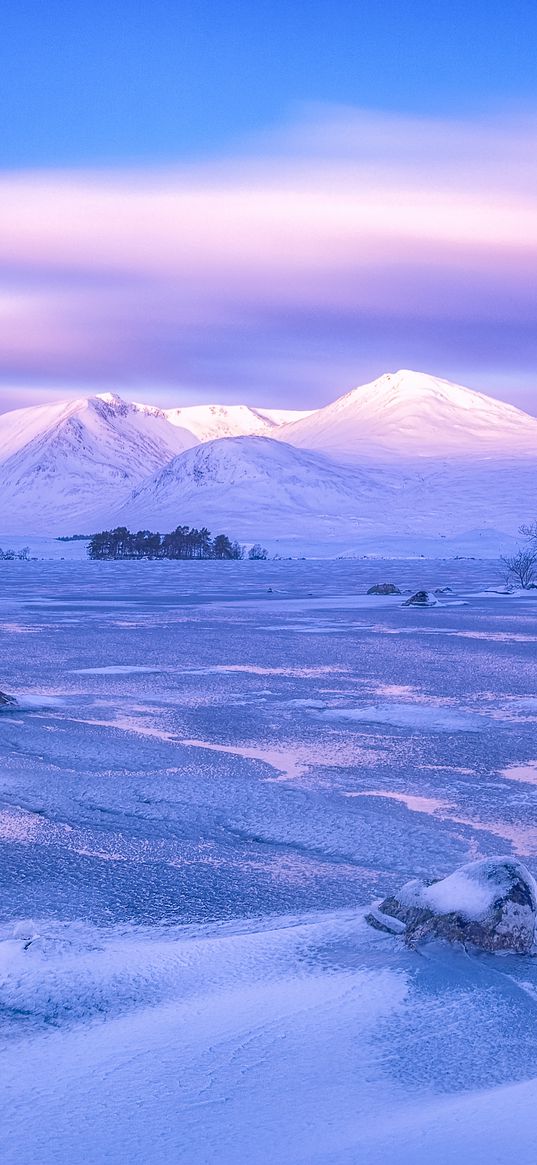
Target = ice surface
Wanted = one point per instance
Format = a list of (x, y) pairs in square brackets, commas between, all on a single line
[(115, 669), (413, 716), (191, 829)]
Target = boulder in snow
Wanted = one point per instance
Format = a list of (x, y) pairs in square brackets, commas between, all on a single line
[(421, 599), (490, 904), (384, 589)]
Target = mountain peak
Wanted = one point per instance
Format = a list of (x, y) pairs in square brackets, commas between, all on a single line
[(110, 398), (208, 422), (414, 414), (406, 384)]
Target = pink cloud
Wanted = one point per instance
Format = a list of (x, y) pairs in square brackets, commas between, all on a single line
[(341, 212)]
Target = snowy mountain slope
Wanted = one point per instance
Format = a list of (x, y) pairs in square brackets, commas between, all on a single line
[(208, 422), (411, 414), (19, 427), (259, 488), (100, 414), (278, 417), (62, 462)]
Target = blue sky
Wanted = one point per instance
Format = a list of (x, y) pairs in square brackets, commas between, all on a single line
[(283, 105), (93, 82)]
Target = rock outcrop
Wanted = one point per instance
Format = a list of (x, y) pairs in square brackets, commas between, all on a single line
[(490, 904), (384, 589), (7, 701), (421, 599)]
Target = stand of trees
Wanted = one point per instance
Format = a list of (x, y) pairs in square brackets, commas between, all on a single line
[(183, 542), (10, 555)]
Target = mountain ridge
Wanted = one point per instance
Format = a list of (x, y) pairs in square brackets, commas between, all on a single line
[(408, 452), (208, 422)]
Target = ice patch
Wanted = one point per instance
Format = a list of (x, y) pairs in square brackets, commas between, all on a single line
[(257, 670), (417, 804), (525, 704), (128, 724), (527, 773), (404, 690), (413, 716), (117, 669), (305, 703), (20, 826), (496, 636), (20, 629), (310, 628), (523, 838), (283, 761), (34, 700)]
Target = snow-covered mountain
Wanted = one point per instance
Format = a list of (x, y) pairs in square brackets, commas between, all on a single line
[(60, 463), (208, 422), (410, 414), (260, 489), (408, 456)]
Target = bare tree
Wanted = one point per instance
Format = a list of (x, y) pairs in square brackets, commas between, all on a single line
[(257, 552), (521, 568), (529, 531)]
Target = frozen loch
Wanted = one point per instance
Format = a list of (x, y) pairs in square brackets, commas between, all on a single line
[(212, 774)]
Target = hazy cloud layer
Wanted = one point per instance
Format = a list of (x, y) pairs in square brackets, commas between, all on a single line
[(314, 258)]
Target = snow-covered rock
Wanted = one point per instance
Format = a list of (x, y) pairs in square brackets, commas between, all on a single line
[(490, 904), (384, 589), (421, 599), (7, 701)]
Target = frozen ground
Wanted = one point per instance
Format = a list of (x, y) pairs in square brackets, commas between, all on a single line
[(207, 784)]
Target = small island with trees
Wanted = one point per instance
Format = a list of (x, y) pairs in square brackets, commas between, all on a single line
[(183, 542)]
